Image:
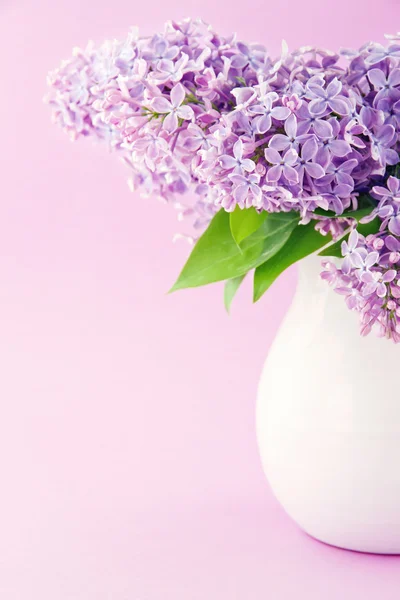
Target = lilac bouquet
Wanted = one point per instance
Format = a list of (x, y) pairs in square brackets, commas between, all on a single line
[(271, 160)]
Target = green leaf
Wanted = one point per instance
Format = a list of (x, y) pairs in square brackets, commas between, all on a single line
[(245, 222), (363, 228), (216, 255), (231, 287), (303, 241)]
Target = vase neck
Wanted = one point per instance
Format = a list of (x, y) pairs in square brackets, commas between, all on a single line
[(309, 275)]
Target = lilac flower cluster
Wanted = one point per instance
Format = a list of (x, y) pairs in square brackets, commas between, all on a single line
[(369, 276), (191, 111), (154, 100)]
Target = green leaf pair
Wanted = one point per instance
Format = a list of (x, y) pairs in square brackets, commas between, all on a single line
[(217, 256), (238, 242)]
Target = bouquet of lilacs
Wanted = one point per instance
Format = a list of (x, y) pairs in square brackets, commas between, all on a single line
[(271, 160)]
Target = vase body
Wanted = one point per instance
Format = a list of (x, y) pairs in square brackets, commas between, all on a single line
[(328, 422)]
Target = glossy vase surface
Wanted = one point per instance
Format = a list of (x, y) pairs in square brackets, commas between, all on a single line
[(328, 421)]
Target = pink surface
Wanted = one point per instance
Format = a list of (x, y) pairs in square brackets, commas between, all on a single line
[(128, 460)]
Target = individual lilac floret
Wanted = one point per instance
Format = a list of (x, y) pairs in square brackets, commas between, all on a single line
[(282, 165), (349, 251), (265, 111), (237, 161), (173, 110), (329, 98), (388, 208)]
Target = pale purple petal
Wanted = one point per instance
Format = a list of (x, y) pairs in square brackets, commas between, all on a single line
[(352, 301), (357, 260), (240, 192), (393, 183), (381, 191), (392, 243), (238, 149), (368, 277), (177, 95), (291, 174), (314, 170), (333, 88), (323, 129), (323, 156), (340, 147), (394, 78), (346, 264), (389, 276), (238, 178), (371, 259), (353, 239), (369, 288), (386, 134), (274, 174), (377, 78), (280, 113), (290, 157), (391, 156), (317, 90), (227, 162), (317, 107), (262, 124), (279, 142), (185, 112), (170, 122), (248, 165), (381, 290), (291, 126), (309, 149), (339, 106), (272, 156), (386, 211), (161, 105), (239, 61), (394, 225)]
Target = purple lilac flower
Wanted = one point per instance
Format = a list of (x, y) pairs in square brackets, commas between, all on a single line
[(307, 161), (369, 275), (191, 111), (329, 98), (349, 249), (376, 282), (376, 53), (247, 191), (381, 146), (386, 86), (294, 135), (237, 161), (388, 208), (340, 172), (127, 90), (265, 112), (196, 138), (173, 110), (389, 194), (331, 146), (282, 165), (320, 127)]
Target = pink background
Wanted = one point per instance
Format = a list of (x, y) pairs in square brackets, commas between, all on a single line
[(128, 461)]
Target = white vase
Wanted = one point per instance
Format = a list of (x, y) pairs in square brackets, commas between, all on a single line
[(328, 422)]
